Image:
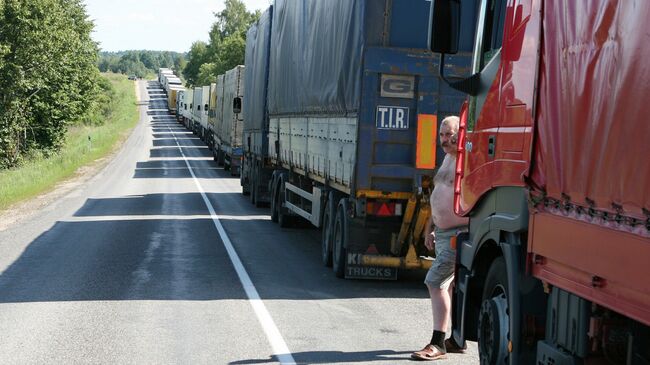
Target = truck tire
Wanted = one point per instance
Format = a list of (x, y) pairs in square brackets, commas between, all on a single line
[(274, 200), (243, 181), (326, 237), (253, 184), (219, 155), (259, 203), (285, 219), (494, 319), (340, 238)]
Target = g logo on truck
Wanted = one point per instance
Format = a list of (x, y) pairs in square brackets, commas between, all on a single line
[(397, 86)]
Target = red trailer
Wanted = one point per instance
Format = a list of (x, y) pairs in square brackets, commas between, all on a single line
[(554, 174)]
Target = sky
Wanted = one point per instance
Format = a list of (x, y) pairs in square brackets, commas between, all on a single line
[(161, 25)]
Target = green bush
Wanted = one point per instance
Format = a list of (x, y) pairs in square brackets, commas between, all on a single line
[(49, 78)]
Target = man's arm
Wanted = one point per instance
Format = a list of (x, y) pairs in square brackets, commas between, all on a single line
[(429, 237)]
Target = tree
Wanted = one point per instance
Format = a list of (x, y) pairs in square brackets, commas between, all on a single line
[(197, 56), (225, 49), (48, 74)]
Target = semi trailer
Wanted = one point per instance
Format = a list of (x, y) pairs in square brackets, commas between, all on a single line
[(188, 106), (230, 124), (344, 135)]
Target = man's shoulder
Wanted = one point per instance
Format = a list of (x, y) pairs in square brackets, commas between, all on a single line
[(449, 159)]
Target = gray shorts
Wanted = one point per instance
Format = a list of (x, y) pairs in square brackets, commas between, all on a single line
[(441, 273)]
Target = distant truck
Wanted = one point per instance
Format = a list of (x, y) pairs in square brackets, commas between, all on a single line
[(163, 71), (228, 130), (553, 174), (188, 106), (180, 102), (342, 109), (170, 81), (172, 97), (214, 105), (215, 116), (201, 98)]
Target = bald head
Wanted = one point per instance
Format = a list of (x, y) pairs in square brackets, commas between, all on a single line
[(452, 122)]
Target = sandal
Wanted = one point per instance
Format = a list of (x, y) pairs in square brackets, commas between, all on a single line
[(429, 353)]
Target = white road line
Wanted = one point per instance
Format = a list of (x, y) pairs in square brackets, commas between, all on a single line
[(280, 349)]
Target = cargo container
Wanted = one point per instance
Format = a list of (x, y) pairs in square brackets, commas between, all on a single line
[(180, 104), (229, 131), (188, 106), (212, 113), (203, 121), (553, 174), (169, 81), (197, 110), (344, 135), (256, 123), (172, 97), (162, 72), (217, 120)]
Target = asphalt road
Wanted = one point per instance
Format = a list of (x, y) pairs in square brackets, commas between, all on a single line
[(160, 259)]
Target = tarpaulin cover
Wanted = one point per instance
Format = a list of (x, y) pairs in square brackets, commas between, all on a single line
[(256, 72), (316, 57), (231, 132), (592, 135)]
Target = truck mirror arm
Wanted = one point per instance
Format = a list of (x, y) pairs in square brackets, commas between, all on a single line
[(469, 85)]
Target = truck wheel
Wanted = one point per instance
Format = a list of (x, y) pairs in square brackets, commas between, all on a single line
[(340, 237), (243, 181), (219, 157), (285, 220), (259, 203), (253, 184), (274, 201), (326, 239), (494, 318)]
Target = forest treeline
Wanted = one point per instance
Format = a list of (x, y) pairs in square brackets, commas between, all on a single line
[(140, 63), (48, 76)]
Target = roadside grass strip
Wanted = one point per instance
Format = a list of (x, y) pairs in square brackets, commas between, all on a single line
[(84, 144)]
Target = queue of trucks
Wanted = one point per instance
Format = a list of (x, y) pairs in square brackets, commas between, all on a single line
[(338, 128)]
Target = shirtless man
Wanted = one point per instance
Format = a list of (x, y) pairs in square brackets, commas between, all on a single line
[(444, 224)]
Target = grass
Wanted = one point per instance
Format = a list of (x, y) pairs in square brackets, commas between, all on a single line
[(84, 145)]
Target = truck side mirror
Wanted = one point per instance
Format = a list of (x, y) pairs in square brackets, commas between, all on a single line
[(445, 29), (236, 105)]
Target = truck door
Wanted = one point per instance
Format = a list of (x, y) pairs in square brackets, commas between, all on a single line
[(484, 112), (499, 124), (519, 59)]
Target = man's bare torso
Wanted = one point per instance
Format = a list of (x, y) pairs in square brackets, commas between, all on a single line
[(442, 197)]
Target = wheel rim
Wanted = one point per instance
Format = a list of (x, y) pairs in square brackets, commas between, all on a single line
[(494, 322)]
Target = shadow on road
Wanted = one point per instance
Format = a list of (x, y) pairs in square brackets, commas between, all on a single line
[(333, 357), (174, 152)]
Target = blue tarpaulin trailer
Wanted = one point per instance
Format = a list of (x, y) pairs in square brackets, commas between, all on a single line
[(343, 102)]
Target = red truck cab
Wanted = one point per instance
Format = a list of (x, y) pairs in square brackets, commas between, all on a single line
[(553, 173)]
